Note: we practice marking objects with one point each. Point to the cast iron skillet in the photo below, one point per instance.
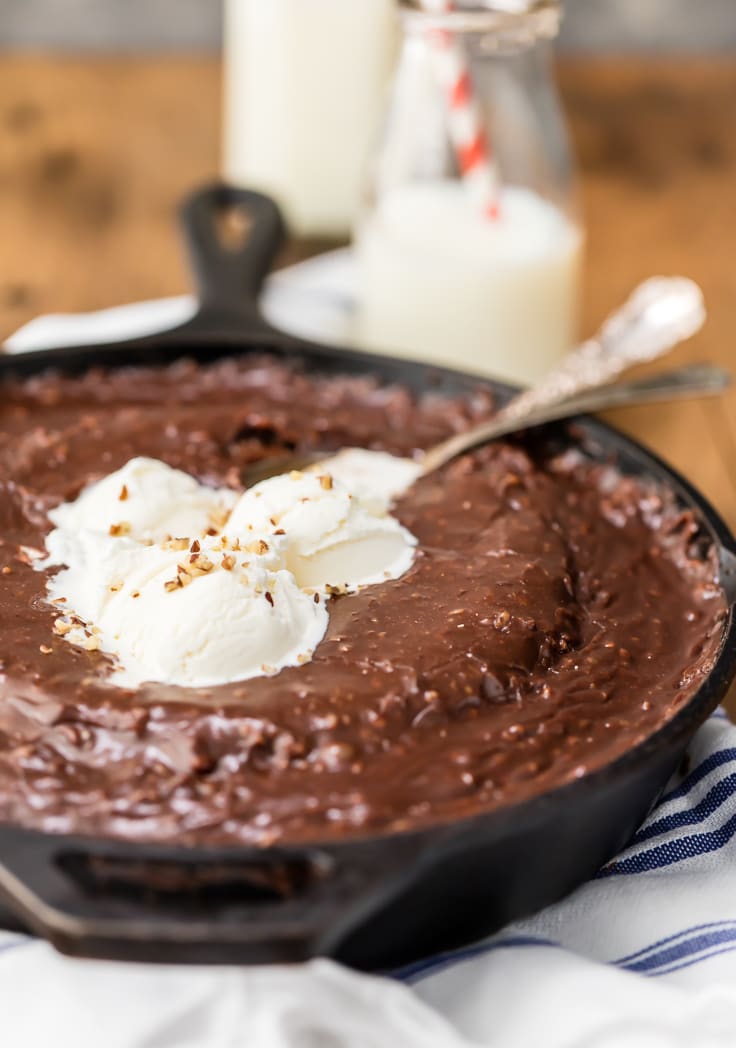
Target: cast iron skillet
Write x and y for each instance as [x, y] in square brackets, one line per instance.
[372, 902]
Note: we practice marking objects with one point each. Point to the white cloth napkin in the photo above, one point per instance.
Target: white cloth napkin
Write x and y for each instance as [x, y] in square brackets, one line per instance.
[643, 956]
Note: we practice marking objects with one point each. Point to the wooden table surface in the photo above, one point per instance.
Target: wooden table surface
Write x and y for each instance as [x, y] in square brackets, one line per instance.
[95, 153]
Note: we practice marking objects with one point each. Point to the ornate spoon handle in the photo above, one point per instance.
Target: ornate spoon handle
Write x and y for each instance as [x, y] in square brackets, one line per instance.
[660, 313]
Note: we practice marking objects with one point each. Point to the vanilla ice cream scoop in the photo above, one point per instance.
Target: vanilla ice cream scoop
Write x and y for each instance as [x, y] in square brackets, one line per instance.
[187, 616]
[145, 500]
[143, 578]
[333, 538]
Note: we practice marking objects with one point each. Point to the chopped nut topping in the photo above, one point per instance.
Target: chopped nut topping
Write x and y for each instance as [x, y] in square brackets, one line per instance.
[301, 659]
[269, 598]
[45, 649]
[228, 562]
[176, 544]
[93, 643]
[211, 531]
[316, 598]
[325, 481]
[115, 587]
[123, 493]
[123, 528]
[268, 669]
[198, 565]
[172, 584]
[296, 474]
[195, 547]
[184, 577]
[7, 570]
[279, 531]
[135, 593]
[61, 626]
[259, 546]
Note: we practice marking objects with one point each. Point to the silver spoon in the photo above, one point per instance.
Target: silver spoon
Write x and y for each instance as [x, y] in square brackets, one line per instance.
[660, 313]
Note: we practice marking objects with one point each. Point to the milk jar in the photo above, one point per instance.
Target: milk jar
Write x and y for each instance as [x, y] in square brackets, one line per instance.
[305, 85]
[469, 246]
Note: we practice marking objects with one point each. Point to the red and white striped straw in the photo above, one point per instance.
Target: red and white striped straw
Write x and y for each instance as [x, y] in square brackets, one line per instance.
[473, 151]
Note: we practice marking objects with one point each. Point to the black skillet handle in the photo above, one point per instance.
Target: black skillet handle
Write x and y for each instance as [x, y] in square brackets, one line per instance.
[233, 236]
[104, 899]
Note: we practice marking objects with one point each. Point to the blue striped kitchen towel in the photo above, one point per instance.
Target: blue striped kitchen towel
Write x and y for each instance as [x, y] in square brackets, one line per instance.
[643, 956]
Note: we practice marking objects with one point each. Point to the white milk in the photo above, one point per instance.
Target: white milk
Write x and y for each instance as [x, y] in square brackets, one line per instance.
[439, 283]
[305, 84]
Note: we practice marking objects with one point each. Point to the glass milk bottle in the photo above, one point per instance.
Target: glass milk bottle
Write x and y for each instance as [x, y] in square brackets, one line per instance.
[304, 90]
[469, 247]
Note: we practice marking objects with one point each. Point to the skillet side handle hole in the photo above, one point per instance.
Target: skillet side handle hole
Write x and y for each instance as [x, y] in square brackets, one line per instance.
[271, 879]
